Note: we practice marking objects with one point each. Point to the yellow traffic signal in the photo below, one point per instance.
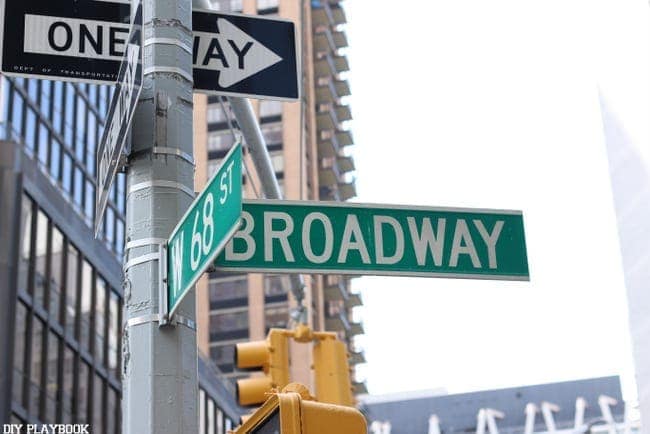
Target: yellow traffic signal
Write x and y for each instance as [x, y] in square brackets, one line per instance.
[270, 355]
[294, 412]
[331, 371]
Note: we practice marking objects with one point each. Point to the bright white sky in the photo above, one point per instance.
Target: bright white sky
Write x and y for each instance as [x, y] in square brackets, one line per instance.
[494, 104]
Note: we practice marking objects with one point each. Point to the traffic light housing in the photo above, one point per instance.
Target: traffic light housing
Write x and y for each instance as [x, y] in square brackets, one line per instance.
[330, 357]
[270, 355]
[332, 371]
[293, 411]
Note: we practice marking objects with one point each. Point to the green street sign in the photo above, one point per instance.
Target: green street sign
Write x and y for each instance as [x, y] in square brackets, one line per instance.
[204, 230]
[347, 238]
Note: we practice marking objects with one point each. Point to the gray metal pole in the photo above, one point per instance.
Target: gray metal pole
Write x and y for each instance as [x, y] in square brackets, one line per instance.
[247, 120]
[160, 388]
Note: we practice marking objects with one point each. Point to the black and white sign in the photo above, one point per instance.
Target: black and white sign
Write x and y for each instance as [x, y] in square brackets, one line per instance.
[241, 55]
[78, 40]
[118, 121]
[84, 40]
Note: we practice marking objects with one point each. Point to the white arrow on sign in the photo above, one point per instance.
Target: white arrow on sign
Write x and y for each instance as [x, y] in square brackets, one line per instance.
[232, 52]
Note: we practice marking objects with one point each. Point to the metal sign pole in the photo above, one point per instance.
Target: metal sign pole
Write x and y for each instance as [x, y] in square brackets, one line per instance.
[159, 363]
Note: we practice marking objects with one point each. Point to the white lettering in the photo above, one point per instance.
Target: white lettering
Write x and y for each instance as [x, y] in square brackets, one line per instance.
[352, 229]
[242, 234]
[281, 235]
[328, 237]
[490, 239]
[427, 239]
[462, 236]
[379, 222]
[226, 187]
[177, 261]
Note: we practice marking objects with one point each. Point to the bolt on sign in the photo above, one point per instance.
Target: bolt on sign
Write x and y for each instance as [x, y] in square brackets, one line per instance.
[320, 237]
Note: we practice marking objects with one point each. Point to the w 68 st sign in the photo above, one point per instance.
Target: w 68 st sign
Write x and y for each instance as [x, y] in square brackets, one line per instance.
[204, 230]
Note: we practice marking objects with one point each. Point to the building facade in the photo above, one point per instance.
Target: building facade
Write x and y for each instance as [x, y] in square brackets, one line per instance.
[461, 413]
[60, 290]
[310, 149]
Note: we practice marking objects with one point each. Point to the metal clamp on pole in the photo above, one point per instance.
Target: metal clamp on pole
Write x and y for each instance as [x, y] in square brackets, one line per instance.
[162, 286]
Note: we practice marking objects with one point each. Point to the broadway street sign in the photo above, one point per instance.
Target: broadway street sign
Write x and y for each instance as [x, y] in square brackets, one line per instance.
[118, 121]
[78, 40]
[206, 227]
[244, 56]
[346, 238]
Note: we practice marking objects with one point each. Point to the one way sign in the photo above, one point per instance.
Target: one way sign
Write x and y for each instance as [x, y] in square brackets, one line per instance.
[84, 40]
[244, 56]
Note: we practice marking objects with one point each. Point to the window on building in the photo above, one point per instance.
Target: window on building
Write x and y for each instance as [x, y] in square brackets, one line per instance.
[40, 257]
[55, 159]
[43, 143]
[276, 317]
[103, 98]
[267, 7]
[229, 321]
[277, 160]
[86, 305]
[36, 366]
[57, 112]
[67, 394]
[119, 237]
[210, 412]
[91, 143]
[80, 126]
[216, 114]
[32, 89]
[78, 187]
[220, 422]
[224, 292]
[89, 200]
[109, 221]
[270, 108]
[71, 289]
[82, 393]
[52, 386]
[223, 355]
[24, 258]
[275, 288]
[56, 273]
[98, 405]
[69, 114]
[20, 338]
[100, 315]
[30, 129]
[272, 133]
[113, 334]
[201, 411]
[220, 140]
[16, 118]
[111, 409]
[45, 97]
[66, 173]
[121, 190]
